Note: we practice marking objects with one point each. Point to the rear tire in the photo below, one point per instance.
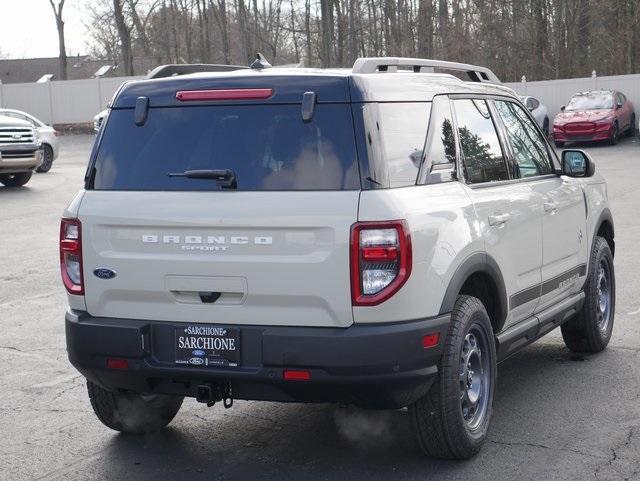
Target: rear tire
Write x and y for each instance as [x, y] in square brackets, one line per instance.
[133, 413]
[48, 160]
[15, 180]
[615, 134]
[451, 421]
[590, 329]
[632, 126]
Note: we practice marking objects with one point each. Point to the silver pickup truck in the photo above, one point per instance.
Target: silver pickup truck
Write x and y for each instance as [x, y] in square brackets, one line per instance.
[20, 151]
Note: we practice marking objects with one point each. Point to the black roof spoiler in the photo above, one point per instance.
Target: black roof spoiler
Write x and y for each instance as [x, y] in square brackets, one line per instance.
[172, 70]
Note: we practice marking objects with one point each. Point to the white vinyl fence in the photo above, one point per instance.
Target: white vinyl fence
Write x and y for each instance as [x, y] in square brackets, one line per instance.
[64, 101]
[77, 101]
[556, 93]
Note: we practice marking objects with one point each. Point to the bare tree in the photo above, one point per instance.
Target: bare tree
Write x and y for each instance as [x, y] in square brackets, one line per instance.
[57, 11]
[536, 38]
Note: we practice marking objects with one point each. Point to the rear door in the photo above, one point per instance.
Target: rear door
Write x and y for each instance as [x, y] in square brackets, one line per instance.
[273, 251]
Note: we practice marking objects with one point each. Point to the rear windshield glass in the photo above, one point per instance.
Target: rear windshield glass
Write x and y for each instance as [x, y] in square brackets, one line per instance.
[268, 147]
[591, 101]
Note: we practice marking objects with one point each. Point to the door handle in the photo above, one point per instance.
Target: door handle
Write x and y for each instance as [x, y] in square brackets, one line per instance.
[550, 207]
[498, 219]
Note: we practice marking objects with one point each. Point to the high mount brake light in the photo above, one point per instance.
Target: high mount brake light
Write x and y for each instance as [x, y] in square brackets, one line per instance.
[380, 260]
[71, 255]
[224, 94]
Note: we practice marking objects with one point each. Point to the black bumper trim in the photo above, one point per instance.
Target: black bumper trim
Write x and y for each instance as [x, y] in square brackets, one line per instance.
[367, 365]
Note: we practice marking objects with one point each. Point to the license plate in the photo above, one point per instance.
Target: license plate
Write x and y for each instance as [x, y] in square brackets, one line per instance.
[208, 346]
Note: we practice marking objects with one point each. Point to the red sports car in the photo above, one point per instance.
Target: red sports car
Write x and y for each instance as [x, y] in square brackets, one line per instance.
[595, 115]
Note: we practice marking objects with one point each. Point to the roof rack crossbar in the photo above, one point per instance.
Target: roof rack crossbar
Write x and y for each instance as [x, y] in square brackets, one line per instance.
[391, 64]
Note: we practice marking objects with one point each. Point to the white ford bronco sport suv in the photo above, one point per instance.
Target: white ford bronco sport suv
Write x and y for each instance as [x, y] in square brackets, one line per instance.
[380, 236]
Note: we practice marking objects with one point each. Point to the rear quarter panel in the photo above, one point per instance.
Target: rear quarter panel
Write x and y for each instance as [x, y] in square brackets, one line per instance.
[444, 230]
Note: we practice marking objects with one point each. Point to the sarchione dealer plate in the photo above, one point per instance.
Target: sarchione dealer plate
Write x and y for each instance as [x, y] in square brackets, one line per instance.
[198, 345]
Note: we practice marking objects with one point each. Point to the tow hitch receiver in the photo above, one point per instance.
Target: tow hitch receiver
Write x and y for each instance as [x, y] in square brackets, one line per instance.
[209, 394]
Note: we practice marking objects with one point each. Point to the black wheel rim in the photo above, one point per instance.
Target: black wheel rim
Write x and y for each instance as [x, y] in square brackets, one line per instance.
[474, 377]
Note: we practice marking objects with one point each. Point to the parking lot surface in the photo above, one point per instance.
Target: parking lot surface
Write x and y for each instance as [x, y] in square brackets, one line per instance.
[556, 415]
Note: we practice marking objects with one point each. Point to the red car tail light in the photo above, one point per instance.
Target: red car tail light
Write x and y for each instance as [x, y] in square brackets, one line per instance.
[224, 94]
[71, 255]
[380, 261]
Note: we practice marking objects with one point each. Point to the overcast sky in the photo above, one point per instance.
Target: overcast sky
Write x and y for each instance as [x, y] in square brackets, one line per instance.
[28, 28]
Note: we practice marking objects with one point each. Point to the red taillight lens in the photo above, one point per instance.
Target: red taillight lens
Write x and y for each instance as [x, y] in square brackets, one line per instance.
[296, 375]
[224, 94]
[380, 260]
[71, 255]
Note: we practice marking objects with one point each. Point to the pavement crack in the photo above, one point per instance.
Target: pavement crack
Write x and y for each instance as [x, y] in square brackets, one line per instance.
[544, 446]
[615, 453]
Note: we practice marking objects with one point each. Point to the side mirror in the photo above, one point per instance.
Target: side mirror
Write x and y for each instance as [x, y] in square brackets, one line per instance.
[562, 108]
[577, 163]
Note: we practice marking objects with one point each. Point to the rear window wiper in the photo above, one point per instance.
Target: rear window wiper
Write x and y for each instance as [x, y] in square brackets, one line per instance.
[226, 178]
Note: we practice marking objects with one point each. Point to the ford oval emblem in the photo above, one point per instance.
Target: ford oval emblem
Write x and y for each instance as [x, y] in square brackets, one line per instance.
[198, 352]
[104, 273]
[196, 361]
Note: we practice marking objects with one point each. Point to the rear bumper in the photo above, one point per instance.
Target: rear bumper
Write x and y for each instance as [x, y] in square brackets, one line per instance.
[383, 366]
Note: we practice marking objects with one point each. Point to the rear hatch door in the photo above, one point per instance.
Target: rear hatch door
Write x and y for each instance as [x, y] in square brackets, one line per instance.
[274, 250]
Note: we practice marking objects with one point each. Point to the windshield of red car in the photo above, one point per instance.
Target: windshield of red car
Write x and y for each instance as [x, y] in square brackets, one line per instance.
[591, 101]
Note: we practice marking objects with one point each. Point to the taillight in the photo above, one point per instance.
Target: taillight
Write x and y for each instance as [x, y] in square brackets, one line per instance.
[71, 255]
[380, 260]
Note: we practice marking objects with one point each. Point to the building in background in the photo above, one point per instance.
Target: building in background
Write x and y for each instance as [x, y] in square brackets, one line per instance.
[26, 70]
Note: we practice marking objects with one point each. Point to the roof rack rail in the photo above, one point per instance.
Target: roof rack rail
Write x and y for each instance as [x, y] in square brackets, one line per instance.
[391, 64]
[186, 68]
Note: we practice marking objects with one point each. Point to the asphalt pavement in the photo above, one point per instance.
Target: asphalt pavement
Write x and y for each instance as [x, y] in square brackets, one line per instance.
[557, 416]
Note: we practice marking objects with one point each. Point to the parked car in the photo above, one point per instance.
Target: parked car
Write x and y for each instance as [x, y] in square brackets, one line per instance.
[538, 111]
[98, 119]
[594, 115]
[347, 236]
[20, 151]
[48, 136]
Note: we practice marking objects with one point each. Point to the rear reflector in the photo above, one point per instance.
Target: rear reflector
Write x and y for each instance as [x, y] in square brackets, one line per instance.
[293, 375]
[430, 340]
[119, 364]
[224, 94]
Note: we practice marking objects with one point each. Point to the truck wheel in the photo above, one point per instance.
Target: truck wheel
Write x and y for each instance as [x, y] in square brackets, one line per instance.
[131, 412]
[590, 329]
[48, 160]
[451, 421]
[15, 180]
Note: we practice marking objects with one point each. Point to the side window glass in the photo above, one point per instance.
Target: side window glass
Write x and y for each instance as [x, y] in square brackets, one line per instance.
[440, 146]
[529, 148]
[482, 156]
[395, 137]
